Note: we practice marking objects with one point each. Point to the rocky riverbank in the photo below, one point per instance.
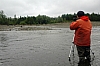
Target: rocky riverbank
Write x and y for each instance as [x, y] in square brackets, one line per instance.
[38, 27]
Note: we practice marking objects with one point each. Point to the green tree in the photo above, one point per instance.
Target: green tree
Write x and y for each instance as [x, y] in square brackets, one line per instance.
[30, 20]
[22, 23]
[42, 19]
[3, 19]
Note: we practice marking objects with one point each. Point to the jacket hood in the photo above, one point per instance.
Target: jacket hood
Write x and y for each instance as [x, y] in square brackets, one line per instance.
[85, 18]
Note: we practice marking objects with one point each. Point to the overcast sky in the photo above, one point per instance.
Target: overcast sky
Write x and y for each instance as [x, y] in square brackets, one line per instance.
[52, 8]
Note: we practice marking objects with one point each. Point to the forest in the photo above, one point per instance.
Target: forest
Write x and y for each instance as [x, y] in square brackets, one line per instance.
[41, 19]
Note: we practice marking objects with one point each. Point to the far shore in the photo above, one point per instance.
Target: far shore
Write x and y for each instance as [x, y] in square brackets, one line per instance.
[39, 27]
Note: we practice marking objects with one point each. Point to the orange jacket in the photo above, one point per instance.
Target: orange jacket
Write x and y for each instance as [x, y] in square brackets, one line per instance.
[82, 29]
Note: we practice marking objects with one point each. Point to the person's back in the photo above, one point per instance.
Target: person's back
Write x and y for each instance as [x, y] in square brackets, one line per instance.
[82, 40]
[82, 28]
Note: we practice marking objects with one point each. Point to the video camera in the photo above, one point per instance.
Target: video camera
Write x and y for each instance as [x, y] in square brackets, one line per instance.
[75, 18]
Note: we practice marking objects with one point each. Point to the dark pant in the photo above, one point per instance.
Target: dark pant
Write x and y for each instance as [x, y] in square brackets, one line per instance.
[83, 51]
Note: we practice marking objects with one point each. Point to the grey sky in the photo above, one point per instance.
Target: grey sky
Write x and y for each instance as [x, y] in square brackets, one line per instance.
[52, 8]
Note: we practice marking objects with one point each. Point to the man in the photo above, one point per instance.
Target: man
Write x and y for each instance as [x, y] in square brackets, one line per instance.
[82, 40]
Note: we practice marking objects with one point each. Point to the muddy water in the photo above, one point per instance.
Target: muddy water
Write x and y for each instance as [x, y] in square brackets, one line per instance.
[41, 47]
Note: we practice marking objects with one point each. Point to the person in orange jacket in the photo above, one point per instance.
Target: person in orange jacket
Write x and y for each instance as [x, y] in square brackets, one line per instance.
[82, 38]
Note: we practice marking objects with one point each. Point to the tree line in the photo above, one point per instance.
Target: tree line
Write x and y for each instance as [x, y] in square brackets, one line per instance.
[41, 19]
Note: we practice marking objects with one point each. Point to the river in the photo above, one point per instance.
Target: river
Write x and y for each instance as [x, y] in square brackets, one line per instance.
[41, 47]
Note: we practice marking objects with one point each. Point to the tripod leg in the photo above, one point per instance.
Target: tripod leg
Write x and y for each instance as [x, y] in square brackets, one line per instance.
[71, 51]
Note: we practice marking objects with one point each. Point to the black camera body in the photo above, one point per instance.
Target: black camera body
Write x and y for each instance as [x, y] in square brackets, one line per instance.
[75, 18]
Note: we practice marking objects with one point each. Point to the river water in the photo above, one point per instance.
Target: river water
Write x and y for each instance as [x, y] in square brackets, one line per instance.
[41, 47]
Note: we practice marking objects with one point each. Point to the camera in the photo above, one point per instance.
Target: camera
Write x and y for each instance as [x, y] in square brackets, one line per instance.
[75, 18]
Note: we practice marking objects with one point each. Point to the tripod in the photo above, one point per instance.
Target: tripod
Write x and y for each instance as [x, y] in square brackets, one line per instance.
[72, 55]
